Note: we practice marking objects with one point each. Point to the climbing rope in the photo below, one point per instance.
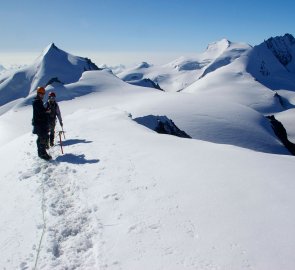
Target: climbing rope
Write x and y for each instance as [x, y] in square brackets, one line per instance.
[44, 225]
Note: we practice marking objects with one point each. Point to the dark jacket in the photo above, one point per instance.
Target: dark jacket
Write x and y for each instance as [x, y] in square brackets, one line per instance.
[54, 111]
[40, 117]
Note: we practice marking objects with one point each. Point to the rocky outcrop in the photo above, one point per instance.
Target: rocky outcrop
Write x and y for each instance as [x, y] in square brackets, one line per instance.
[91, 65]
[162, 125]
[146, 83]
[281, 133]
[53, 80]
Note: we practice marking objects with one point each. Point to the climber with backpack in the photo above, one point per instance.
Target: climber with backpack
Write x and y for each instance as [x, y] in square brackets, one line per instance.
[40, 123]
[52, 106]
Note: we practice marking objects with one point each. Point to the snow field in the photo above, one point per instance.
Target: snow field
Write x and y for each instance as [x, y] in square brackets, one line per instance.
[167, 208]
[125, 197]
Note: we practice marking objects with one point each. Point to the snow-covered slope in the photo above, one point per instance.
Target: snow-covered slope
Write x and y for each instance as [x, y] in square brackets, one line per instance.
[184, 71]
[53, 65]
[251, 79]
[125, 197]
[271, 63]
[234, 83]
[202, 116]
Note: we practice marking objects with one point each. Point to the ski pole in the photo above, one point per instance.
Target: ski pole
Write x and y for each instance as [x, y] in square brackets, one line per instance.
[60, 141]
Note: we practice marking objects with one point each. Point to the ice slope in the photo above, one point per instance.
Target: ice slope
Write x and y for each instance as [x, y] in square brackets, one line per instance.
[53, 65]
[124, 197]
[184, 71]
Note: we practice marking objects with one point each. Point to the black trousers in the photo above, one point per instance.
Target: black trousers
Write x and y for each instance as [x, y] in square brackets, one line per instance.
[51, 132]
[42, 133]
[41, 145]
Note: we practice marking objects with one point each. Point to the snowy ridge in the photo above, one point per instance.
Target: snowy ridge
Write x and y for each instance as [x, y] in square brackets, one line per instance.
[211, 119]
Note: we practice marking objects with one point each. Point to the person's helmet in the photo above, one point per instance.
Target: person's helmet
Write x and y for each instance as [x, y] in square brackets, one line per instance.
[51, 94]
[41, 90]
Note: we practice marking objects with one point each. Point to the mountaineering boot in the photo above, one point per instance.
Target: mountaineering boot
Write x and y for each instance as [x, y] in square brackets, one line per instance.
[42, 143]
[45, 156]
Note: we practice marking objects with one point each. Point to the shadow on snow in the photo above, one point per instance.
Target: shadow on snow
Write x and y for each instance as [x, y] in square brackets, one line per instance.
[74, 141]
[76, 159]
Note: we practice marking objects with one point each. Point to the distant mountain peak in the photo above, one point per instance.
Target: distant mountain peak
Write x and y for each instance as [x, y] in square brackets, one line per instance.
[52, 53]
[51, 47]
[2, 68]
[223, 43]
[53, 66]
[218, 47]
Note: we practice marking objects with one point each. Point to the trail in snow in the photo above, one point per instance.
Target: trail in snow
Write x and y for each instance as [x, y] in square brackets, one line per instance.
[69, 230]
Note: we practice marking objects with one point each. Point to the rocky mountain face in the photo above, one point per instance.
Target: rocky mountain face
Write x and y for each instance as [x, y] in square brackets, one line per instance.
[272, 62]
[282, 48]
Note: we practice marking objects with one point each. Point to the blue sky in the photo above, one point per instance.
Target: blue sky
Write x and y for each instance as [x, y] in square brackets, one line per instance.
[134, 27]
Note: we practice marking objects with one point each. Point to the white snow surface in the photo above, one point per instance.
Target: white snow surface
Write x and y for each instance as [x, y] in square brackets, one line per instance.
[125, 197]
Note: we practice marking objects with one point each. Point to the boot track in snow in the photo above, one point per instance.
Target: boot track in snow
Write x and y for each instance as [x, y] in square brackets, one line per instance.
[68, 233]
